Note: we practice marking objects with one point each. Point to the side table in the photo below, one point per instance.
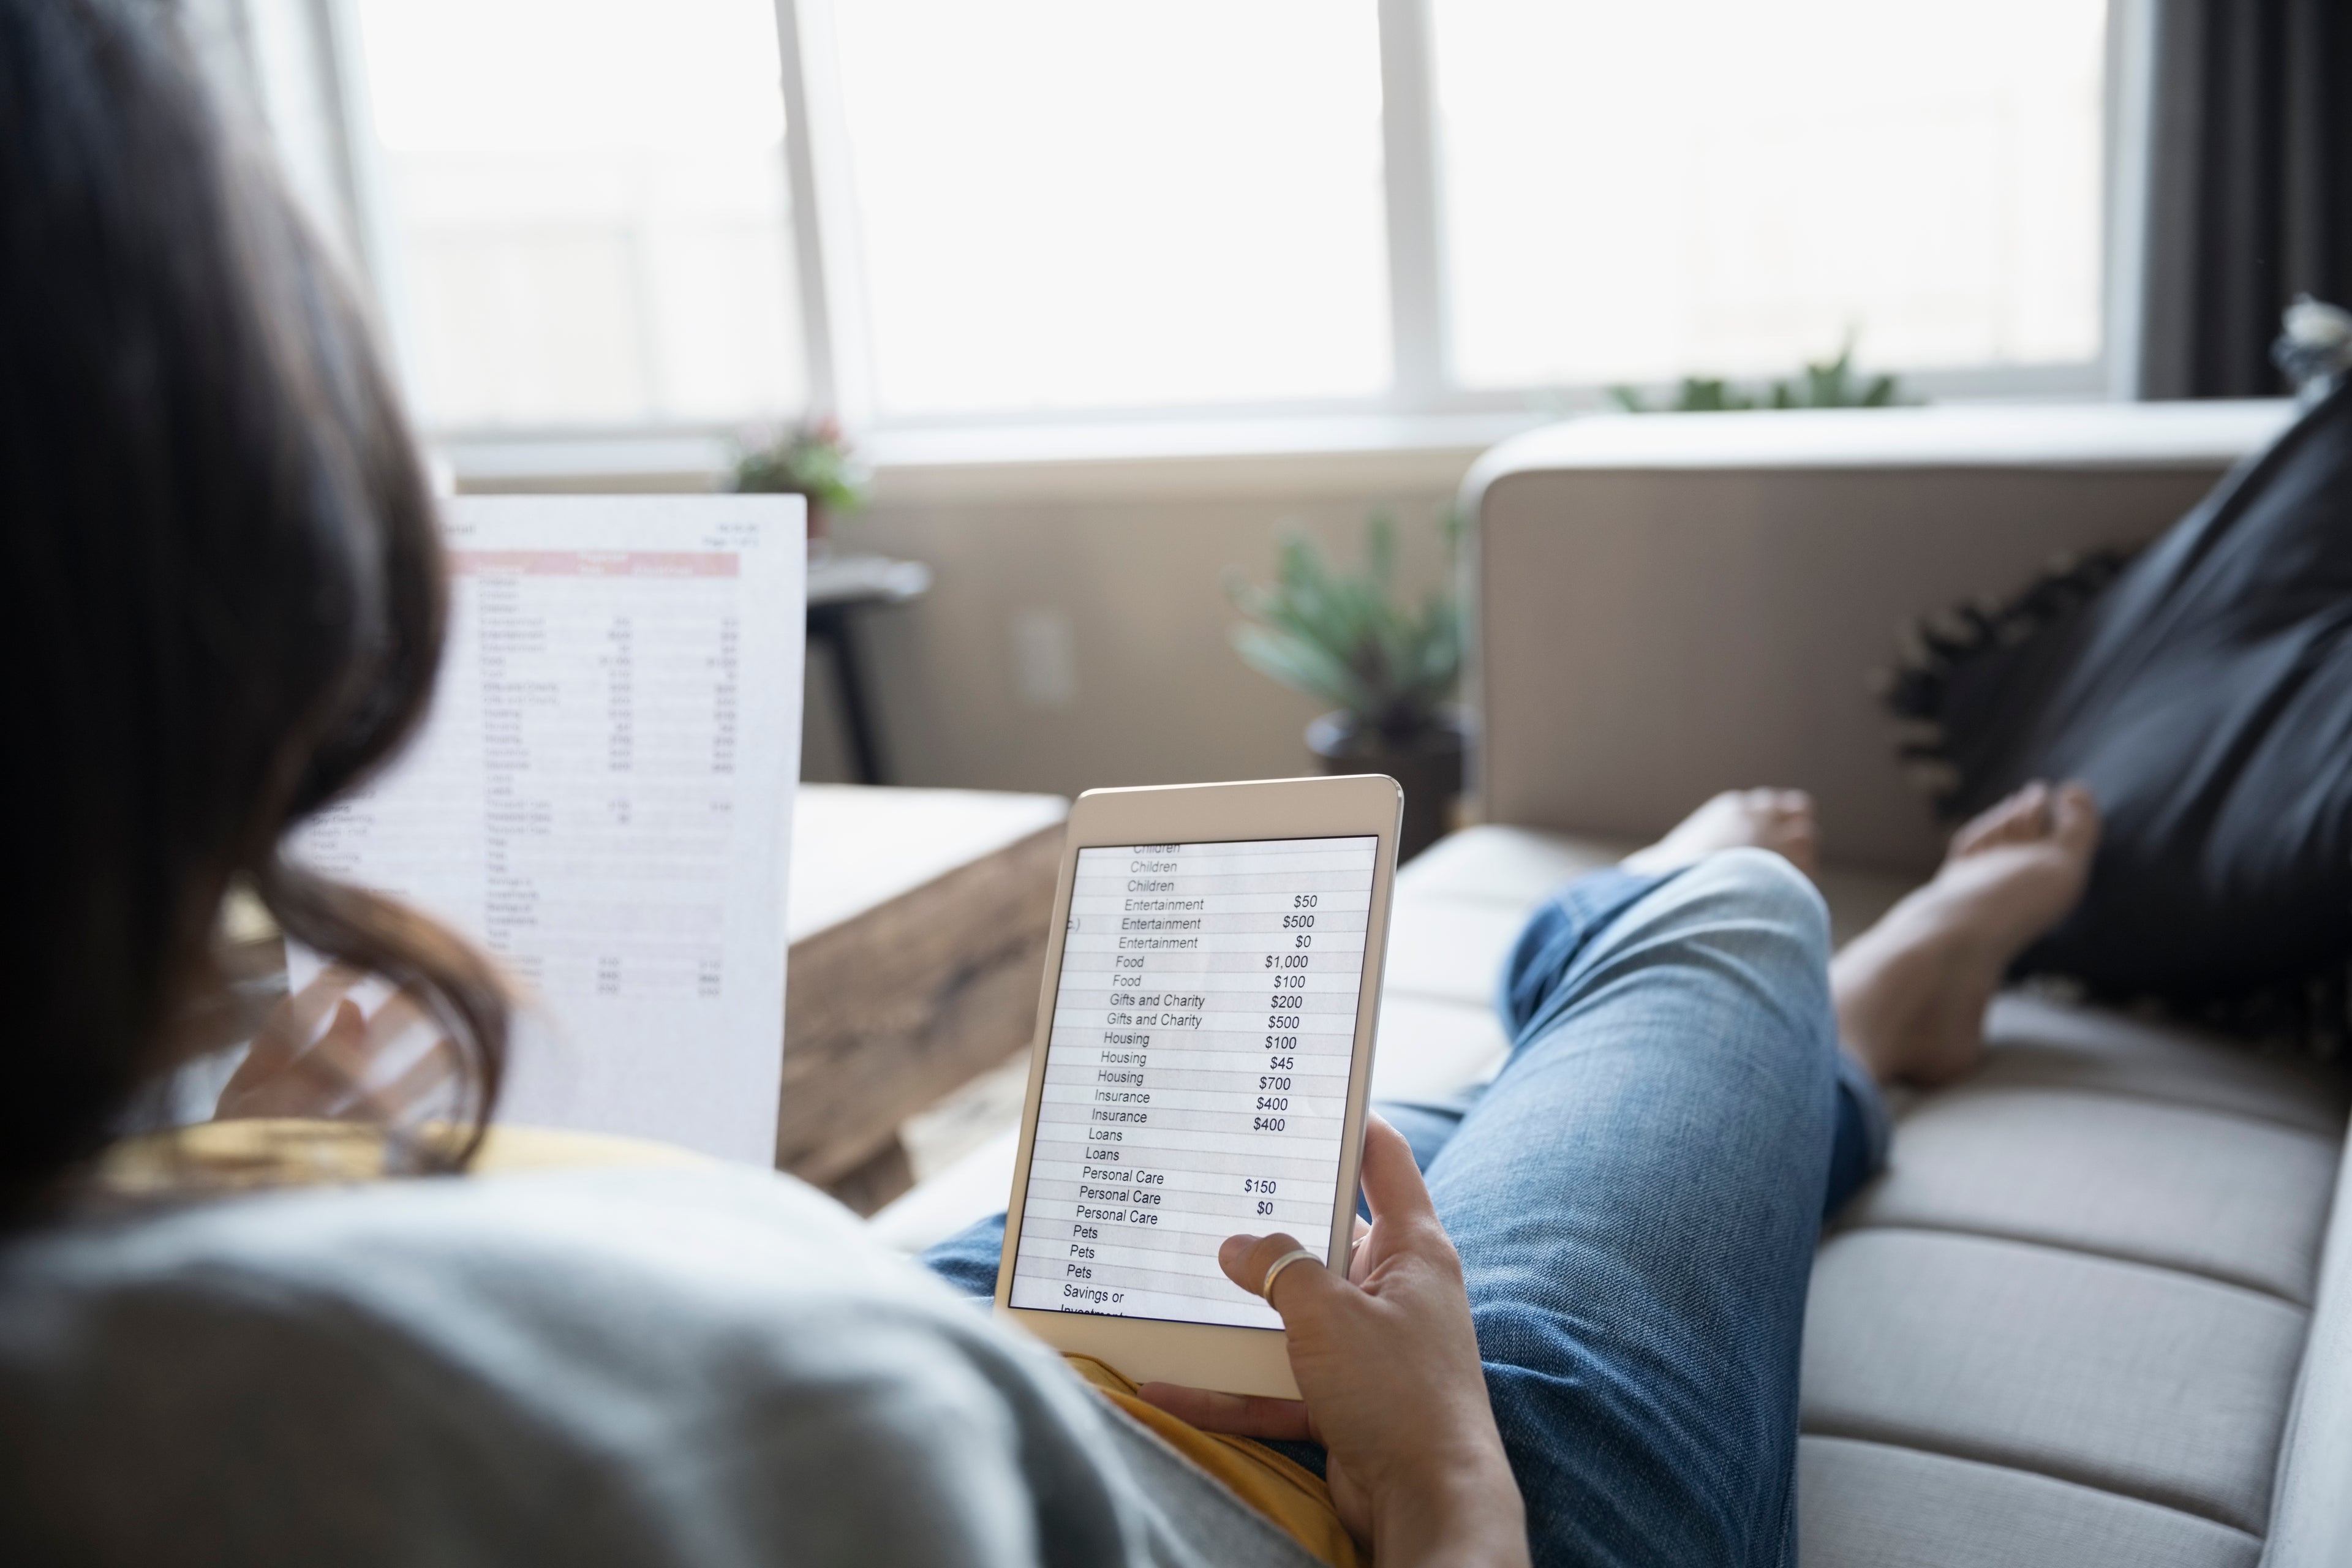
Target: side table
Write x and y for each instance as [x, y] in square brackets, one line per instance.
[839, 587]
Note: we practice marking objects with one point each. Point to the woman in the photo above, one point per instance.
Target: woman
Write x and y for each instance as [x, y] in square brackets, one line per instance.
[221, 599]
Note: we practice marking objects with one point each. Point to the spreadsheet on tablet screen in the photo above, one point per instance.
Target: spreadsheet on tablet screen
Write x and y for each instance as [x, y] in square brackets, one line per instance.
[1196, 1072]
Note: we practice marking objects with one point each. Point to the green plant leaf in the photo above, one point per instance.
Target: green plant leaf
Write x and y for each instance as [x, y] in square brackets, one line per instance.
[1830, 383]
[1343, 638]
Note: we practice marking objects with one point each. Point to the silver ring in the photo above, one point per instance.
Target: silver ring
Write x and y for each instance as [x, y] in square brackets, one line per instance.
[1281, 1263]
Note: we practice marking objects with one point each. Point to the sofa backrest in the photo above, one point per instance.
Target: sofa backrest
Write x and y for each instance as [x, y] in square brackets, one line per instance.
[1670, 605]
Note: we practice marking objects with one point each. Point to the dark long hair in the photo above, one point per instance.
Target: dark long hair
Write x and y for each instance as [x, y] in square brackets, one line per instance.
[222, 590]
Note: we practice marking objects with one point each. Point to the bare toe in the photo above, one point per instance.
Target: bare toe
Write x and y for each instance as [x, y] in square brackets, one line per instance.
[2019, 817]
[1911, 991]
[1792, 830]
[2075, 821]
[1780, 820]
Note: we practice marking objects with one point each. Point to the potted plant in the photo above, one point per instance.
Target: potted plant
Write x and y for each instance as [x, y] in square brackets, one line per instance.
[814, 459]
[1832, 383]
[1389, 670]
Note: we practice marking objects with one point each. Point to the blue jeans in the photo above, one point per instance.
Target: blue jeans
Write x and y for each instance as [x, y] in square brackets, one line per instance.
[1636, 1198]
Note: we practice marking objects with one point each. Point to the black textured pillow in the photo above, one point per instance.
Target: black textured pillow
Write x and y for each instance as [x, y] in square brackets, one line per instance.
[2203, 689]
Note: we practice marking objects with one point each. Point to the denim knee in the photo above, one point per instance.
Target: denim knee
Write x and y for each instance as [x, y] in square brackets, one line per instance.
[1771, 915]
[1768, 887]
[1594, 923]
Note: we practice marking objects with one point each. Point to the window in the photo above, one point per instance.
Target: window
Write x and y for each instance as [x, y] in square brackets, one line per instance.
[1070, 205]
[585, 204]
[1634, 193]
[584, 215]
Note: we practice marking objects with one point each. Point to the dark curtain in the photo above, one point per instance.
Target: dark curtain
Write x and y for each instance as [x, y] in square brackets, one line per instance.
[2250, 199]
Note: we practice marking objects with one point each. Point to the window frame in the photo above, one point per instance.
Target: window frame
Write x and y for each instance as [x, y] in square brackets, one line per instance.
[1423, 408]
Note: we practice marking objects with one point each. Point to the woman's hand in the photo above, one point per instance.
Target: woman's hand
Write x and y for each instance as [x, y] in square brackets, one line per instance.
[1388, 1362]
[358, 1068]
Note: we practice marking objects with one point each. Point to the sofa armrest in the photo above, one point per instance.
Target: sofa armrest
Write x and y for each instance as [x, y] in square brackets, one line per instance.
[2311, 1509]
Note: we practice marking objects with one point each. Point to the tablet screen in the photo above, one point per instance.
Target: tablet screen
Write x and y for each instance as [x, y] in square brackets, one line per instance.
[1196, 1076]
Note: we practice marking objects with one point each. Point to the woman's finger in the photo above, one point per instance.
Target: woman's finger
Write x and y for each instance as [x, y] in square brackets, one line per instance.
[343, 1049]
[425, 1077]
[1392, 1184]
[300, 1014]
[315, 1087]
[305, 1086]
[325, 986]
[399, 1013]
[1230, 1253]
[283, 1045]
[1236, 1415]
[321, 1081]
[291, 1025]
[1246, 1258]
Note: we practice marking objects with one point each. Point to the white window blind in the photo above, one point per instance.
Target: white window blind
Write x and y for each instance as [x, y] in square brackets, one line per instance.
[585, 206]
[1073, 205]
[1634, 193]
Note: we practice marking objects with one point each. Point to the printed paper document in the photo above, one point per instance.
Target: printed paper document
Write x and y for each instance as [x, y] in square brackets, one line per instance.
[601, 797]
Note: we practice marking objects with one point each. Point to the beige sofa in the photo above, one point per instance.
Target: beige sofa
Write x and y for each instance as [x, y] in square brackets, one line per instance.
[2099, 1309]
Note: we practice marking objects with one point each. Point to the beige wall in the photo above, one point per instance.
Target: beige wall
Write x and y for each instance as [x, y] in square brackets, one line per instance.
[1134, 565]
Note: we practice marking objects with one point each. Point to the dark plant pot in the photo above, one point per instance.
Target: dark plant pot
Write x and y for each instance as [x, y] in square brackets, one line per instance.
[1429, 768]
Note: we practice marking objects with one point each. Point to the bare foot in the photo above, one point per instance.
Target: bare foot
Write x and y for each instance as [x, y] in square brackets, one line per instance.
[1911, 991]
[1780, 820]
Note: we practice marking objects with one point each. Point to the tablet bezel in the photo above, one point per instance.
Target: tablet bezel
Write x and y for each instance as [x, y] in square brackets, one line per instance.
[1148, 1350]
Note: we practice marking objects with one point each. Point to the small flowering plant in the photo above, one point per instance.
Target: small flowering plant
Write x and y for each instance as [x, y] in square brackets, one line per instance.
[811, 458]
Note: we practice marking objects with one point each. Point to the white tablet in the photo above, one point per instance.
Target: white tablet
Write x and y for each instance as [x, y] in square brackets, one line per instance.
[1202, 1057]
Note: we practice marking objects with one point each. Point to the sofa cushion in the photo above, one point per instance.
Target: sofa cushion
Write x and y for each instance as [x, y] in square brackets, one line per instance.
[1459, 905]
[2144, 1381]
[2038, 1042]
[1514, 866]
[2089, 1263]
[2234, 1198]
[1432, 1046]
[1450, 948]
[1870, 1505]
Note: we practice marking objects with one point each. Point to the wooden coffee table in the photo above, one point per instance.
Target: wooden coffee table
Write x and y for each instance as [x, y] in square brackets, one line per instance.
[918, 927]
